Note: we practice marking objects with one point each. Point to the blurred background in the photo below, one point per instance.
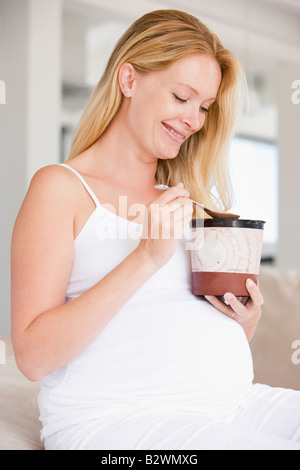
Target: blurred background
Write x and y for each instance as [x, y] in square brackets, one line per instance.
[52, 54]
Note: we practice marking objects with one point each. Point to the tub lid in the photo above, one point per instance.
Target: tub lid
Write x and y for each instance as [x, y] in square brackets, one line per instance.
[236, 223]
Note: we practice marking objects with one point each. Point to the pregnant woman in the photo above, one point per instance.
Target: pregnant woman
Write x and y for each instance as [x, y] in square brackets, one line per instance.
[102, 308]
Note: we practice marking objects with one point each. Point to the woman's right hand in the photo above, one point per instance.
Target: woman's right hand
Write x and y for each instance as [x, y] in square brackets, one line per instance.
[164, 221]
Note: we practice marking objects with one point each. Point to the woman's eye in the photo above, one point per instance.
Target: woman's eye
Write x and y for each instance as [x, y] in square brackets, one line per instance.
[179, 99]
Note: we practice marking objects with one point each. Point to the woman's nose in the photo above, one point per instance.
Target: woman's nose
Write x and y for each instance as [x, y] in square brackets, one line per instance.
[194, 119]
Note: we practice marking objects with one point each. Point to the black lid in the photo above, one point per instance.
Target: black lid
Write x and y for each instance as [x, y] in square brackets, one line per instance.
[238, 223]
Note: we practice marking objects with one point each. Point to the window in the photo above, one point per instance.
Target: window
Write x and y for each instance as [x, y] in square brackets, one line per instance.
[254, 173]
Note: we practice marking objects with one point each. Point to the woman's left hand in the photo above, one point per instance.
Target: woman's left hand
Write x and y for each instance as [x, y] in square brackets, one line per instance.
[247, 315]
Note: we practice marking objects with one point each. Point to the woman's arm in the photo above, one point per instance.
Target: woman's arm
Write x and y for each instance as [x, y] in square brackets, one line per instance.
[46, 332]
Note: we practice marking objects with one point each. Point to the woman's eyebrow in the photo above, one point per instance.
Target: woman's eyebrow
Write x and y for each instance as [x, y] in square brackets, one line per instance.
[188, 86]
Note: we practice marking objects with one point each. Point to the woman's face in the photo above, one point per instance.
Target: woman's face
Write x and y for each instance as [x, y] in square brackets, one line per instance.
[166, 107]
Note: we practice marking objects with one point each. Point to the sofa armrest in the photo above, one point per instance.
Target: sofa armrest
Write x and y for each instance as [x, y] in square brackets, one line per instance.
[272, 344]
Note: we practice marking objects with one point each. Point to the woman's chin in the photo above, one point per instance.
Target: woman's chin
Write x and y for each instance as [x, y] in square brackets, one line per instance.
[169, 154]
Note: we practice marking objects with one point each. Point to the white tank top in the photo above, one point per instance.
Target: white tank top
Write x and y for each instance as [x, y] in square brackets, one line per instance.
[166, 349]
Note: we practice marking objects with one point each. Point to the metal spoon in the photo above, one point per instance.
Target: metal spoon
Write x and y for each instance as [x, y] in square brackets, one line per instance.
[213, 214]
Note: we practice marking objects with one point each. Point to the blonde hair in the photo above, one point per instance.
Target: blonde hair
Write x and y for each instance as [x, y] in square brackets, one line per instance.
[152, 43]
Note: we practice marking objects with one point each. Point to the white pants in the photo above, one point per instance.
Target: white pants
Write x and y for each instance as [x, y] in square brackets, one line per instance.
[269, 420]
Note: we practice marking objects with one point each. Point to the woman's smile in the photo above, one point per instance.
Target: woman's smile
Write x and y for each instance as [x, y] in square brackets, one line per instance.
[174, 134]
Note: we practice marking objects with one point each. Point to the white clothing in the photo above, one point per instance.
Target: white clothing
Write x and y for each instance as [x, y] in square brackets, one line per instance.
[167, 366]
[268, 420]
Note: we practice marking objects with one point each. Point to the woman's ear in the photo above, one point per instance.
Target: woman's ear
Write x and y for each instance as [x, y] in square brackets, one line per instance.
[127, 77]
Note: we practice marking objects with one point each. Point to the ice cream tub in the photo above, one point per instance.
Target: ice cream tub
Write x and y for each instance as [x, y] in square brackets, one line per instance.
[225, 253]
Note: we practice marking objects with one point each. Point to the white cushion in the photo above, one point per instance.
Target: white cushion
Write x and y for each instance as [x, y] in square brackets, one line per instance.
[19, 414]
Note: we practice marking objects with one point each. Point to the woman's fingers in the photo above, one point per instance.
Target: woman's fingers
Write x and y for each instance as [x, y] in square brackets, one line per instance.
[171, 194]
[255, 294]
[171, 211]
[232, 309]
[218, 304]
[232, 303]
[165, 219]
[238, 308]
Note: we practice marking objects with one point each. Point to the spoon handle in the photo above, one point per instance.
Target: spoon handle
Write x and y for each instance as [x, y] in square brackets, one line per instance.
[215, 215]
[164, 187]
[198, 204]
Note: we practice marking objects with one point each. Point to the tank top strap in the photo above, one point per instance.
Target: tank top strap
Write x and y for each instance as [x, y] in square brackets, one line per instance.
[91, 193]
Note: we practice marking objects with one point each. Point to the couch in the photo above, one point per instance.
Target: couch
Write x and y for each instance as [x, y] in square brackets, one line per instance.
[19, 423]
[275, 361]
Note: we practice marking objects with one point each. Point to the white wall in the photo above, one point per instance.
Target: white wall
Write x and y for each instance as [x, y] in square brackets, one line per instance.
[30, 44]
[12, 137]
[256, 28]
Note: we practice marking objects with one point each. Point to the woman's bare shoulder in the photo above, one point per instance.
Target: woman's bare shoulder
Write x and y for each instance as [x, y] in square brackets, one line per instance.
[52, 194]
[56, 176]
[54, 183]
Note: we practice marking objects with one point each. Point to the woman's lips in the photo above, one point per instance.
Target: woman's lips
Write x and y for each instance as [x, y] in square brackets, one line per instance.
[175, 135]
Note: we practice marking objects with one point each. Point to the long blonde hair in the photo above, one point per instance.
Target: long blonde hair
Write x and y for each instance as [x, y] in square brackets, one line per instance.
[152, 43]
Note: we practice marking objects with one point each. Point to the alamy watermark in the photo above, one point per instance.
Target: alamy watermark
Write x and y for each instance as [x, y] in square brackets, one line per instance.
[2, 92]
[2, 352]
[157, 221]
[296, 353]
[296, 94]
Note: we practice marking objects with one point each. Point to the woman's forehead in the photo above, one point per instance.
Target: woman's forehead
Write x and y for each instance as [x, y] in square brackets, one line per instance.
[193, 73]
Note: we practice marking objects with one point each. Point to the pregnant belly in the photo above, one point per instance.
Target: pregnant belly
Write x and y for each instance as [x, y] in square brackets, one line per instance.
[183, 356]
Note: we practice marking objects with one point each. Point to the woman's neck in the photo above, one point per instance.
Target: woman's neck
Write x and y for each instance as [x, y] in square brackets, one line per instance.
[117, 155]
